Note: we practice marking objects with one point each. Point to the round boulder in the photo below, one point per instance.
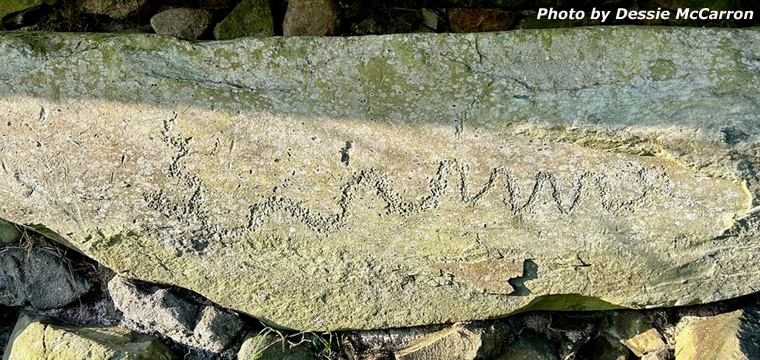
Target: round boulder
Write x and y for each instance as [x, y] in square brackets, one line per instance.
[310, 18]
[188, 24]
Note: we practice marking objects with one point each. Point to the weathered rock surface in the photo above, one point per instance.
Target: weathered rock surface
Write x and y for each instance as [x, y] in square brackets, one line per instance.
[163, 312]
[734, 335]
[458, 342]
[453, 341]
[36, 339]
[333, 183]
[646, 343]
[117, 9]
[183, 23]
[250, 18]
[430, 19]
[40, 278]
[271, 347]
[9, 234]
[310, 18]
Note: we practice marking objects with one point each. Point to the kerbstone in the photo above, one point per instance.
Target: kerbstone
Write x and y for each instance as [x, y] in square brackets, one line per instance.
[373, 182]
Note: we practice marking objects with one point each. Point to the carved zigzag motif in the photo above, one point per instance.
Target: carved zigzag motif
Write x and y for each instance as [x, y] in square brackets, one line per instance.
[545, 188]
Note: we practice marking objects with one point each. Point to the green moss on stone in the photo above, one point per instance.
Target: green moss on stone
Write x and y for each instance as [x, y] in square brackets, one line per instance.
[251, 18]
[662, 70]
[9, 234]
[12, 6]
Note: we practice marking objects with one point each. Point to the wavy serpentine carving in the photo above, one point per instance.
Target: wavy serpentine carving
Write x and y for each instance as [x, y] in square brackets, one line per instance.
[500, 180]
[620, 191]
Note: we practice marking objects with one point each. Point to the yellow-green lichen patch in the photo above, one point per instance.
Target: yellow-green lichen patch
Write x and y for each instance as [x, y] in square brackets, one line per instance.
[36, 339]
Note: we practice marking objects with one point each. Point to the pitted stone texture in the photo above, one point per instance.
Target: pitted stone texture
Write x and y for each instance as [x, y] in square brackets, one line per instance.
[40, 278]
[36, 339]
[160, 311]
[216, 329]
[372, 182]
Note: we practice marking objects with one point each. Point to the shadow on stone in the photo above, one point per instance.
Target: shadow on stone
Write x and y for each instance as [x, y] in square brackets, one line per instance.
[530, 272]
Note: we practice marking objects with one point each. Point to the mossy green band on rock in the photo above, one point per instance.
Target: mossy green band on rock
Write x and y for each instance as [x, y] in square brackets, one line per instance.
[250, 18]
[391, 181]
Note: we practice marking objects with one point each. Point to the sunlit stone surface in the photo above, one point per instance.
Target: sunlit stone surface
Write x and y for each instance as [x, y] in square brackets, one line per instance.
[390, 181]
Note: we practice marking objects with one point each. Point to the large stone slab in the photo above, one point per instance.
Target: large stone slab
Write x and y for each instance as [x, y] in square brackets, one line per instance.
[333, 183]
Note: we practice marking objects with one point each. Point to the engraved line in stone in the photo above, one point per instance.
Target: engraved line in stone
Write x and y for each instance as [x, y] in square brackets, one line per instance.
[396, 205]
